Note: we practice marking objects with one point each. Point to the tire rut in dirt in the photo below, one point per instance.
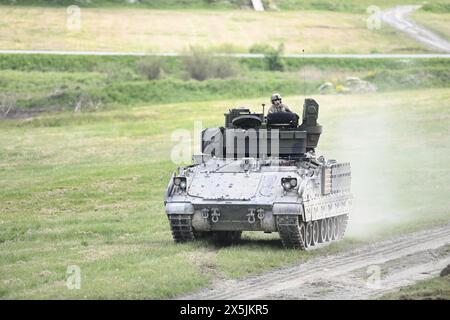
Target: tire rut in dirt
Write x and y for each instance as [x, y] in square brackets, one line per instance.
[386, 249]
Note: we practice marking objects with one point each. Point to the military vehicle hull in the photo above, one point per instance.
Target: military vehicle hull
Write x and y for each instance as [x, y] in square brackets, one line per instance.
[227, 190]
[226, 201]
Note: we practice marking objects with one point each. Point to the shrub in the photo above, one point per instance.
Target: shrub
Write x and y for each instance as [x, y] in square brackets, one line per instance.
[273, 59]
[225, 68]
[272, 56]
[151, 67]
[201, 65]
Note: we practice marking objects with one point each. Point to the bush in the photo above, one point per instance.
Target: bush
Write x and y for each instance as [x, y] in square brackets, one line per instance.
[272, 56]
[201, 65]
[151, 67]
[225, 68]
[273, 59]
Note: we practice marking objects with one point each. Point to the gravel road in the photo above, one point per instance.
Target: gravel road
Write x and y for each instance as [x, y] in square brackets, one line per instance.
[400, 19]
[347, 275]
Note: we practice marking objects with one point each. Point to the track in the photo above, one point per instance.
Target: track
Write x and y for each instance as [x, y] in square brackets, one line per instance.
[399, 18]
[401, 261]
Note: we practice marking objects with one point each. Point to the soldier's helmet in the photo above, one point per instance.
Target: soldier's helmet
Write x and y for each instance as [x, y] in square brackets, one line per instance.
[275, 97]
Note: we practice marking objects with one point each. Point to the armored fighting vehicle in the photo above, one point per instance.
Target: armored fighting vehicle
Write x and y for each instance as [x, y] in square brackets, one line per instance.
[261, 173]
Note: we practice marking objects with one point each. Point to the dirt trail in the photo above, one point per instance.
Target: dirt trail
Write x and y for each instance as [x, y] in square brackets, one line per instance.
[401, 261]
[399, 18]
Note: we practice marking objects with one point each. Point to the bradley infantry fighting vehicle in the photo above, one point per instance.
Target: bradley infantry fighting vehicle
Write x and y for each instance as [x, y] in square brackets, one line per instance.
[260, 173]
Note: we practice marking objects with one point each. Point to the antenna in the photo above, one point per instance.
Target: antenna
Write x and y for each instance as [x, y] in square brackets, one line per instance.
[304, 73]
[263, 105]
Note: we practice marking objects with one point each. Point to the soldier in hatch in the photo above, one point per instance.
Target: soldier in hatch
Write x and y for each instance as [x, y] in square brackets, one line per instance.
[277, 105]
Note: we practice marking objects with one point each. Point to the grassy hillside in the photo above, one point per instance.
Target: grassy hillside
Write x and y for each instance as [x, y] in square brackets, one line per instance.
[115, 29]
[87, 189]
[40, 82]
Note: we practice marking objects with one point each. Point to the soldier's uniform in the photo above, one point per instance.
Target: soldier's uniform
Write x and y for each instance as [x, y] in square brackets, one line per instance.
[277, 105]
[279, 108]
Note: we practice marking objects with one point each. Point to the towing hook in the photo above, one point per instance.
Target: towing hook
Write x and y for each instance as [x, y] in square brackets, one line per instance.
[260, 214]
[215, 215]
[205, 213]
[251, 216]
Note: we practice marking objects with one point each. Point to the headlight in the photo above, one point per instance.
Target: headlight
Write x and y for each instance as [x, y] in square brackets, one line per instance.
[180, 182]
[293, 182]
[288, 183]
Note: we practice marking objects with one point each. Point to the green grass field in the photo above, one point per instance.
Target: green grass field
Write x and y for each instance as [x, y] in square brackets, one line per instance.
[433, 289]
[87, 189]
[118, 29]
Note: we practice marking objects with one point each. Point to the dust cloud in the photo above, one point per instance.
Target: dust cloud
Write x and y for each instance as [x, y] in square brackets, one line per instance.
[365, 140]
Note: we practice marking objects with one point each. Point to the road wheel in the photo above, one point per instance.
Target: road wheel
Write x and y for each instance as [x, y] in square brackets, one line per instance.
[323, 234]
[302, 229]
[315, 232]
[330, 229]
[339, 226]
[343, 225]
[308, 234]
[334, 228]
